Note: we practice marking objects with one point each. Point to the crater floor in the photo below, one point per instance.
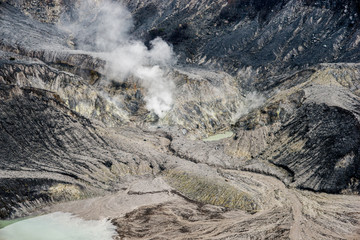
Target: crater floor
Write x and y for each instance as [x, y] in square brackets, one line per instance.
[261, 141]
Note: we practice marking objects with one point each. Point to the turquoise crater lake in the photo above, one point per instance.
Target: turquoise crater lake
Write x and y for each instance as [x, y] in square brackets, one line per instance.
[58, 226]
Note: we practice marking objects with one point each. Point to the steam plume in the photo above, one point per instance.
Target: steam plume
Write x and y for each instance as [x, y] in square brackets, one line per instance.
[104, 26]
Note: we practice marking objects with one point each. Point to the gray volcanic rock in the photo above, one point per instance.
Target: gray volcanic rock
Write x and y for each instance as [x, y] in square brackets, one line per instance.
[310, 129]
[329, 128]
[32, 138]
[73, 90]
[112, 101]
[44, 11]
[270, 36]
[281, 75]
[56, 154]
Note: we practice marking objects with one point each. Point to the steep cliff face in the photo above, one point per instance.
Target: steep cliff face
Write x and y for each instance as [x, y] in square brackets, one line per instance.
[269, 36]
[310, 129]
[54, 152]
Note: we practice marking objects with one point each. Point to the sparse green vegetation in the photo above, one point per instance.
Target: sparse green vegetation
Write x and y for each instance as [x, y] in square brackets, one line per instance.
[209, 191]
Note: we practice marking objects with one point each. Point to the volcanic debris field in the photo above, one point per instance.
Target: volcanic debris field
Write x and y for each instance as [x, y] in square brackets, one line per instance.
[198, 119]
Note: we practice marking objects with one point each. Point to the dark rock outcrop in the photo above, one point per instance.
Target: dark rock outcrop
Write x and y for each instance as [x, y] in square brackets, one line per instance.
[311, 130]
[273, 37]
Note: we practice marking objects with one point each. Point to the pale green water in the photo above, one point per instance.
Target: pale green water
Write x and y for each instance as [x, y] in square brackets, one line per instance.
[219, 136]
[58, 226]
[4, 223]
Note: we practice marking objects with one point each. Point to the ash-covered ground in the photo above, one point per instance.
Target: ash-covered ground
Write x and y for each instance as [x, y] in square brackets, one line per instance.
[105, 105]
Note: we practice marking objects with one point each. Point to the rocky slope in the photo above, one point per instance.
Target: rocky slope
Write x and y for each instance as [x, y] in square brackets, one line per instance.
[309, 129]
[282, 75]
[272, 37]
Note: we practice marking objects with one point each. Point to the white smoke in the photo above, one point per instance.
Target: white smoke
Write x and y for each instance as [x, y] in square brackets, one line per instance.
[104, 26]
[252, 100]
